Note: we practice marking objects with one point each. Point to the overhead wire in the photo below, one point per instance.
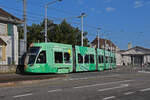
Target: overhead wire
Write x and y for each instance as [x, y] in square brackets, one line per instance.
[33, 17]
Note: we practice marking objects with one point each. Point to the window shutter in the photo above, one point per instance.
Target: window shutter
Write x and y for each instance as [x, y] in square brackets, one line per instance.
[10, 29]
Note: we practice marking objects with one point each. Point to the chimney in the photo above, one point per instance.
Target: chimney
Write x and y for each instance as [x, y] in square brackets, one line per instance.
[129, 45]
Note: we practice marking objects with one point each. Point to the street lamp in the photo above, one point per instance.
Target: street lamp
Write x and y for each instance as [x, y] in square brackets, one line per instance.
[46, 6]
[81, 16]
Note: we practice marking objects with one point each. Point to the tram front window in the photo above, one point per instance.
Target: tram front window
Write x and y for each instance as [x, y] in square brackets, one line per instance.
[31, 55]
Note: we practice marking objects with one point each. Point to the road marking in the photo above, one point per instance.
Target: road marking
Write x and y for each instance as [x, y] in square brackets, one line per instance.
[57, 90]
[84, 78]
[111, 97]
[23, 95]
[110, 76]
[128, 93]
[86, 86]
[147, 72]
[148, 89]
[121, 86]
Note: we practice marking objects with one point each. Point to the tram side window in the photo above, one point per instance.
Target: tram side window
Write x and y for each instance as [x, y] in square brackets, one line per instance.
[106, 59]
[91, 58]
[42, 57]
[80, 58]
[86, 59]
[112, 60]
[67, 57]
[58, 57]
[101, 59]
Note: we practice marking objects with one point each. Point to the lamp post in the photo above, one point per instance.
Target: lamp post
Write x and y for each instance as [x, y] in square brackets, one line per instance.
[46, 6]
[81, 16]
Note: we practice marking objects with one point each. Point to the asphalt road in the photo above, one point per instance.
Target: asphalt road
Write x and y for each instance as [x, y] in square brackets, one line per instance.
[108, 85]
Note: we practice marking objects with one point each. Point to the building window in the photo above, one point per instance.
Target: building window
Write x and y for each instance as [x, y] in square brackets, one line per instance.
[86, 59]
[91, 58]
[58, 57]
[41, 58]
[67, 57]
[80, 58]
[3, 28]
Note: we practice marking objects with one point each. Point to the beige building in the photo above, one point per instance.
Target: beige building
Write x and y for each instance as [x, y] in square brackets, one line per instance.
[136, 56]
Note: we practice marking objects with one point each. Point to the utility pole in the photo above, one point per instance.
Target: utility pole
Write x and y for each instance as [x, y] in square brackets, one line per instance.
[46, 6]
[46, 23]
[25, 25]
[82, 29]
[98, 31]
[81, 16]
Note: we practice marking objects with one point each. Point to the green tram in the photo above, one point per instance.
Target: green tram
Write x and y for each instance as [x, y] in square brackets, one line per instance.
[100, 59]
[63, 58]
[113, 60]
[85, 59]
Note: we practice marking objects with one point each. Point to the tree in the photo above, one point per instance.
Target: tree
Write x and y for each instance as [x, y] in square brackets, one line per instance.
[60, 33]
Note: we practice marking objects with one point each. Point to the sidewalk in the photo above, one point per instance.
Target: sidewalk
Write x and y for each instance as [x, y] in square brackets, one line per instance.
[16, 78]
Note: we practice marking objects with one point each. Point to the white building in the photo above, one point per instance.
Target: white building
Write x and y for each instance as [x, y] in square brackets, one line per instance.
[8, 38]
[136, 56]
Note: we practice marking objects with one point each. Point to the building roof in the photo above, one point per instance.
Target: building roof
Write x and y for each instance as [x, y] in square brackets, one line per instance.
[102, 42]
[5, 16]
[137, 50]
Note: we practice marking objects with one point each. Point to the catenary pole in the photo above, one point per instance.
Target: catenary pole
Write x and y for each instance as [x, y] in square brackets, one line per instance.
[25, 25]
[82, 31]
[98, 31]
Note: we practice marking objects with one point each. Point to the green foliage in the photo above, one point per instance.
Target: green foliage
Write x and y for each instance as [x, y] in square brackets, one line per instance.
[59, 33]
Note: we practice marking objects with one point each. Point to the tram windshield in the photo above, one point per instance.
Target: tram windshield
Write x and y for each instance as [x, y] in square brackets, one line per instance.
[31, 55]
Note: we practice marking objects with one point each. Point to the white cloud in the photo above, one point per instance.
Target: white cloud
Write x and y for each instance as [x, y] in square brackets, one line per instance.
[96, 11]
[99, 12]
[138, 4]
[107, 1]
[93, 9]
[110, 9]
[80, 2]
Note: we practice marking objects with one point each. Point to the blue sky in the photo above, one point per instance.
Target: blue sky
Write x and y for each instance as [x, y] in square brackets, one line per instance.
[122, 21]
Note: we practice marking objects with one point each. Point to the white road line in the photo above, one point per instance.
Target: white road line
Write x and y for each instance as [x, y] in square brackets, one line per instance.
[84, 78]
[121, 86]
[111, 97]
[128, 93]
[148, 89]
[86, 86]
[23, 95]
[57, 90]
[110, 76]
[144, 72]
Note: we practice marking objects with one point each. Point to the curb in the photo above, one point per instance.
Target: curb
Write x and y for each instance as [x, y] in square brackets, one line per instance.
[27, 82]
